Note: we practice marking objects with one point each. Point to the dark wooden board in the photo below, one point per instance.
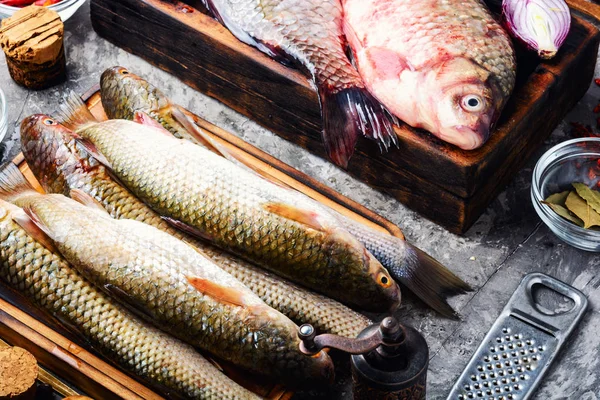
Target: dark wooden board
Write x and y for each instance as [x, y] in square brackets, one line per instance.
[450, 186]
[72, 358]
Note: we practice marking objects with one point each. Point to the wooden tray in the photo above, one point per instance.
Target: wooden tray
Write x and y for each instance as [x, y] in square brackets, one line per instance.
[68, 356]
[450, 186]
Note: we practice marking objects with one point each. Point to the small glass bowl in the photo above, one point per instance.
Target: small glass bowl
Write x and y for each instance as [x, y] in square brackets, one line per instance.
[65, 9]
[3, 116]
[576, 160]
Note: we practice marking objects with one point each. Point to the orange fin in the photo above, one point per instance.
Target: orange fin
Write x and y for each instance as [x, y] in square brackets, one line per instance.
[223, 294]
[306, 217]
[83, 198]
[74, 114]
[32, 228]
[144, 119]
[13, 183]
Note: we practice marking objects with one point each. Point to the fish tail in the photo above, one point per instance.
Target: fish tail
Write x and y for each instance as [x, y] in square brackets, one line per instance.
[429, 280]
[348, 113]
[13, 183]
[74, 114]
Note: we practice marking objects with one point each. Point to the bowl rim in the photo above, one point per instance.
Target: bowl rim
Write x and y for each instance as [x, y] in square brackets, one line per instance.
[542, 164]
[62, 3]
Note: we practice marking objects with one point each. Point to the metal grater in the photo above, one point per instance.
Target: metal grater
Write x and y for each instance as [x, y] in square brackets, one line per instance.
[520, 346]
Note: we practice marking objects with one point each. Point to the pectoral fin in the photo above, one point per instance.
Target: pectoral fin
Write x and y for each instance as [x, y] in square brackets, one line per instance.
[144, 119]
[128, 302]
[83, 198]
[306, 217]
[33, 229]
[92, 150]
[223, 294]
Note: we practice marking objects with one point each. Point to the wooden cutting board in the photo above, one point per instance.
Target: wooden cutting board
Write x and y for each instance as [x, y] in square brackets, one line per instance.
[450, 186]
[71, 358]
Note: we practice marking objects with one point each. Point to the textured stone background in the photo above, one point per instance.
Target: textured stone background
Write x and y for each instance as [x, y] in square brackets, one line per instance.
[507, 242]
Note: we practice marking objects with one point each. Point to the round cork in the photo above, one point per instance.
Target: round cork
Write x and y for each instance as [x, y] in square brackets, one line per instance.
[18, 372]
[32, 40]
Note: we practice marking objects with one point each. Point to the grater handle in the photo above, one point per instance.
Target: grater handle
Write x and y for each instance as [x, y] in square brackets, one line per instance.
[558, 325]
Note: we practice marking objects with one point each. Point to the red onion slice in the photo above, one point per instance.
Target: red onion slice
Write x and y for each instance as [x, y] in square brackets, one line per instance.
[542, 25]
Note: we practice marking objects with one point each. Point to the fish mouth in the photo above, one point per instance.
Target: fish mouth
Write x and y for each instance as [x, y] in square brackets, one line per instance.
[465, 137]
[30, 126]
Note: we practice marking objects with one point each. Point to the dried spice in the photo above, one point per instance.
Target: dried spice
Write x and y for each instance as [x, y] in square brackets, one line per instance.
[582, 209]
[580, 206]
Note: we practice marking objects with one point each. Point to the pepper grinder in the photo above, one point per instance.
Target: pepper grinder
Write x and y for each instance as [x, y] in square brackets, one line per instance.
[389, 360]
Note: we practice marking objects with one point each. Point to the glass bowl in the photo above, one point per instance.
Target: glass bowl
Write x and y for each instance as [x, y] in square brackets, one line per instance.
[576, 160]
[3, 116]
[65, 9]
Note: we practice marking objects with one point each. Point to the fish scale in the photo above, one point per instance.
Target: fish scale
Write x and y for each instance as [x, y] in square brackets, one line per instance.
[135, 345]
[130, 259]
[444, 66]
[196, 187]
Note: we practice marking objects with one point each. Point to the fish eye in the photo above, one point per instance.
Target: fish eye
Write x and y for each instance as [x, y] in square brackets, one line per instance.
[472, 103]
[124, 72]
[384, 280]
[49, 121]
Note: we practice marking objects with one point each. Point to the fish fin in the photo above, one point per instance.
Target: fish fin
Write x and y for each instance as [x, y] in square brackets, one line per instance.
[430, 280]
[190, 230]
[83, 198]
[206, 140]
[347, 113]
[13, 183]
[306, 217]
[92, 150]
[218, 292]
[273, 51]
[74, 114]
[23, 219]
[388, 62]
[127, 301]
[142, 118]
[203, 138]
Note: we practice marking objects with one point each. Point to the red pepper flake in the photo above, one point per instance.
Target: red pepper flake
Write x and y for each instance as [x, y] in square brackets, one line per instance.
[597, 81]
[597, 109]
[591, 174]
[582, 131]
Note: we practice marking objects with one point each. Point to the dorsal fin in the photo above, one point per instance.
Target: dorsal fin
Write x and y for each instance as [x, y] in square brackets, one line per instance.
[74, 114]
[13, 183]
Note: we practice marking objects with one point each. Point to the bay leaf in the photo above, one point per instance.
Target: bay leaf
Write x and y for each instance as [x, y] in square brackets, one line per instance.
[563, 212]
[558, 198]
[581, 208]
[591, 196]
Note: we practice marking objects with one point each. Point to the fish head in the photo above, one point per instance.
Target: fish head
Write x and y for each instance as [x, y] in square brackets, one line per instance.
[52, 152]
[365, 274]
[123, 93]
[463, 103]
[385, 284]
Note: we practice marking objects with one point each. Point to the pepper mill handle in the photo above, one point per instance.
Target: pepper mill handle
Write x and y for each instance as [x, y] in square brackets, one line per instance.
[390, 334]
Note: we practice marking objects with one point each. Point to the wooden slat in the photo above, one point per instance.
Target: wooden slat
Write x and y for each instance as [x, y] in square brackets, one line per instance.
[66, 358]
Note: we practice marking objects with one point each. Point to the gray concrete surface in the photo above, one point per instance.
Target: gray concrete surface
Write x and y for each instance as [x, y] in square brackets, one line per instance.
[507, 242]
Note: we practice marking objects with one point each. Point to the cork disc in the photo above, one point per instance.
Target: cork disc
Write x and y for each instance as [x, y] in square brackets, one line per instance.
[18, 372]
[33, 34]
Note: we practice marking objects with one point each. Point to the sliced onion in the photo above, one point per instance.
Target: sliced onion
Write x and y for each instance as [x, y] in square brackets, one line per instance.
[542, 25]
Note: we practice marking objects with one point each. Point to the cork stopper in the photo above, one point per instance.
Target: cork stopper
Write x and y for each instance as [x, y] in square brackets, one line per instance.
[32, 40]
[18, 373]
